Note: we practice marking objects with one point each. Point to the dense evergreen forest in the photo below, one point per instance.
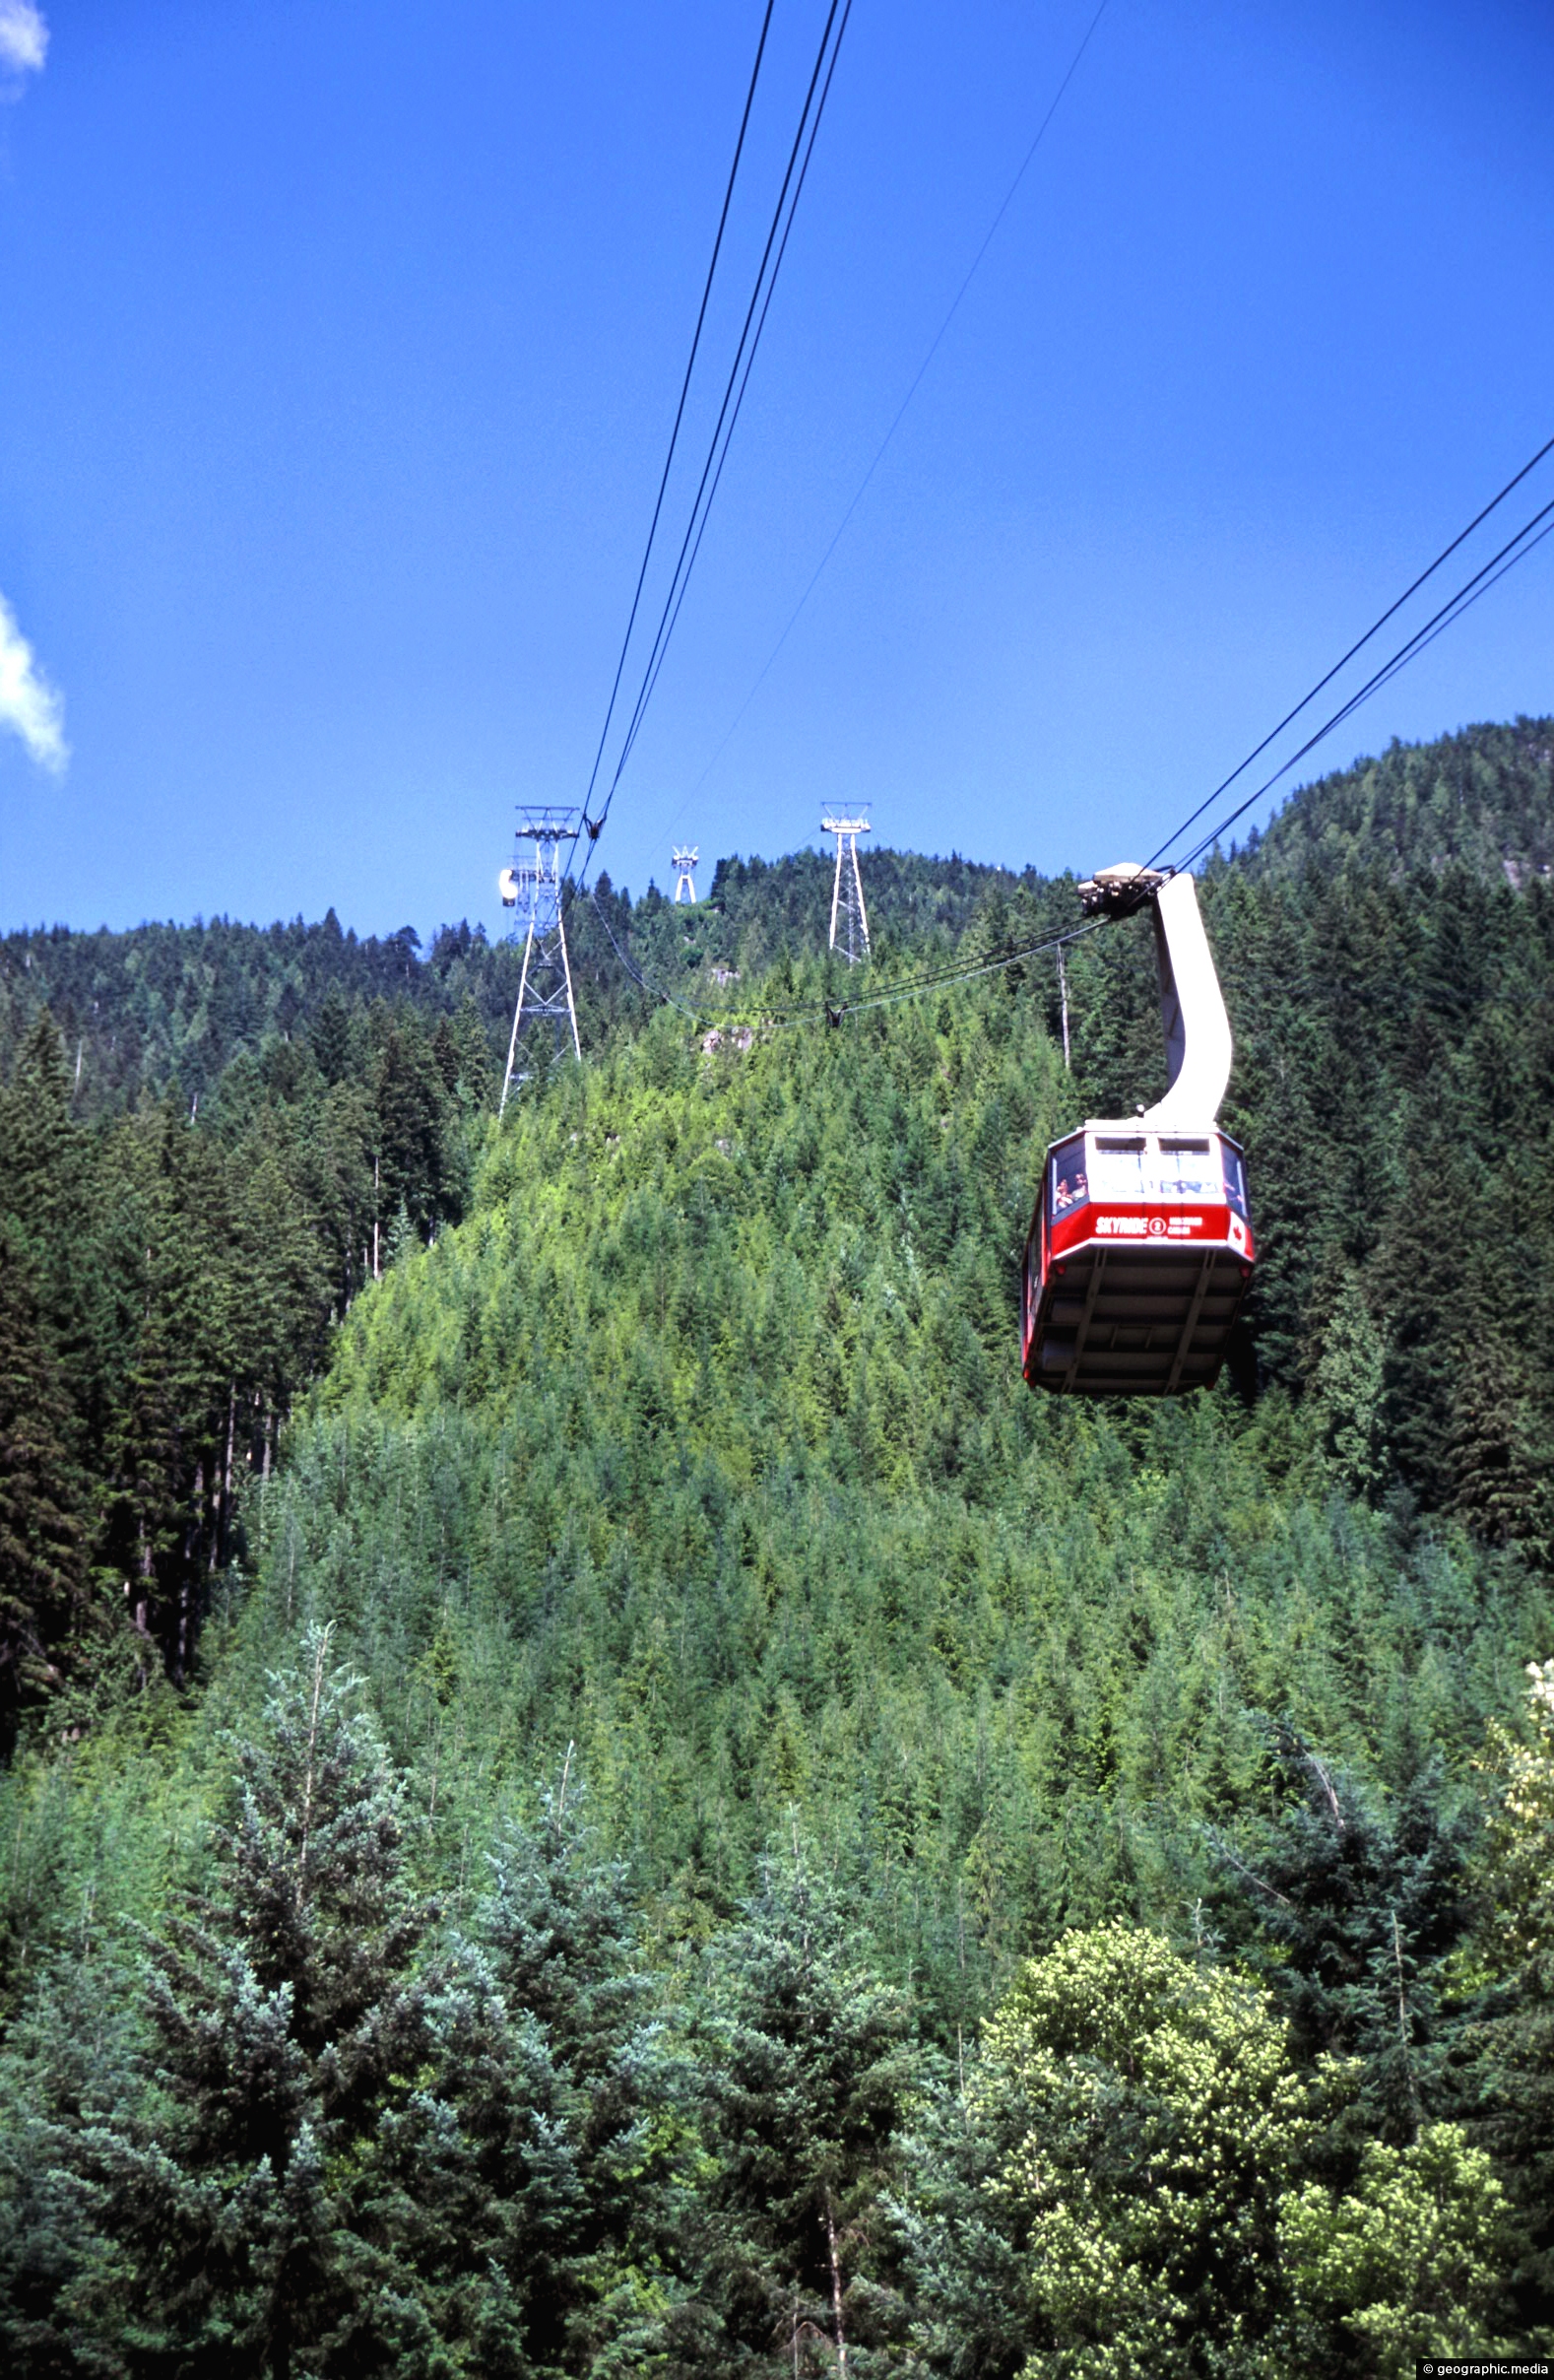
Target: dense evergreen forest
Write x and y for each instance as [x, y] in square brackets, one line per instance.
[592, 1784]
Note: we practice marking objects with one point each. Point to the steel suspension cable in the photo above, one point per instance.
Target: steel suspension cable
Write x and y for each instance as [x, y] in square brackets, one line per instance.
[666, 617]
[679, 410]
[1359, 645]
[918, 376]
[1517, 547]
[745, 382]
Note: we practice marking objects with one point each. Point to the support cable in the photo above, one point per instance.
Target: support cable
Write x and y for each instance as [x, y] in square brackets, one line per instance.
[684, 391]
[1359, 644]
[1516, 548]
[666, 619]
[739, 401]
[900, 414]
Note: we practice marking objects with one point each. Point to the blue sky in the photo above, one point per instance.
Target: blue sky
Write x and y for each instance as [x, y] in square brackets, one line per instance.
[339, 347]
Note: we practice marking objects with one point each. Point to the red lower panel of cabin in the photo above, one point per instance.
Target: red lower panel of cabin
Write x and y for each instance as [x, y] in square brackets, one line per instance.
[1133, 1301]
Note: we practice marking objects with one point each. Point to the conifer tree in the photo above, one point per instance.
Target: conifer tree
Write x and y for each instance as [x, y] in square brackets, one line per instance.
[812, 2064]
[1498, 1485]
[43, 1604]
[410, 1104]
[1430, 1304]
[1348, 1384]
[67, 2056]
[1355, 1911]
[331, 1035]
[295, 2192]
[402, 1238]
[561, 1937]
[39, 1169]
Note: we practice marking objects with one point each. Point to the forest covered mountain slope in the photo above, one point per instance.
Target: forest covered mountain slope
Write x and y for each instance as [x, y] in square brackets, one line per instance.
[691, 1787]
[162, 1004]
[165, 1005]
[1481, 799]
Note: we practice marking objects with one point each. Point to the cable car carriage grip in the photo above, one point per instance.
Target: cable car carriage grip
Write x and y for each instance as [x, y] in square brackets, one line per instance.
[1141, 1247]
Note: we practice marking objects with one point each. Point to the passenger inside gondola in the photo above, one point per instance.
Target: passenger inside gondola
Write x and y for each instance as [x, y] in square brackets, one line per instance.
[1069, 1189]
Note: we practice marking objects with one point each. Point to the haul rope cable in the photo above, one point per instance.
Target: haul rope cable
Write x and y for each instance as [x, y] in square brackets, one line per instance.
[1450, 611]
[1516, 548]
[684, 390]
[910, 988]
[900, 414]
[836, 1011]
[811, 1012]
[596, 827]
[1360, 643]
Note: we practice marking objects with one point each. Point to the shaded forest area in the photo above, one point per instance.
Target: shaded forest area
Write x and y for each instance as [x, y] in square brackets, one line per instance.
[675, 1818]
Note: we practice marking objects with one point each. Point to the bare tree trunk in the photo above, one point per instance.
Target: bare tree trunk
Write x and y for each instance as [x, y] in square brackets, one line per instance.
[1405, 2041]
[140, 1605]
[224, 1517]
[377, 1274]
[836, 2284]
[320, 1655]
[232, 1436]
[188, 1571]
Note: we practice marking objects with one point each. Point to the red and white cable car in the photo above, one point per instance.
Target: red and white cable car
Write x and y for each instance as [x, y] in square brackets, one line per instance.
[1141, 1247]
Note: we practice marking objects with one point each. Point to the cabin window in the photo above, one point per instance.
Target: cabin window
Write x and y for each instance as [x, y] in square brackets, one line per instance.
[1118, 1169]
[1138, 1170]
[1234, 1180]
[1188, 1171]
[1067, 1183]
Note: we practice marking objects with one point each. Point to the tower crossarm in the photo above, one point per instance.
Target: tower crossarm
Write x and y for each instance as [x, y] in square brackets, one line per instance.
[849, 916]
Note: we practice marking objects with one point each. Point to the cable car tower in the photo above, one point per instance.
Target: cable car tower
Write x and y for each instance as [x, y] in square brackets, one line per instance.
[1141, 1246]
[847, 892]
[534, 882]
[684, 859]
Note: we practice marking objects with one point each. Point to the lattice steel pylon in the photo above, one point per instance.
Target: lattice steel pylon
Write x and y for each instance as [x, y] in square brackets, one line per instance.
[684, 859]
[544, 988]
[847, 892]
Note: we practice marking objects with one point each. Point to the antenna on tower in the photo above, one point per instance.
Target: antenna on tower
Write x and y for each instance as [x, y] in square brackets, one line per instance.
[685, 860]
[847, 892]
[534, 882]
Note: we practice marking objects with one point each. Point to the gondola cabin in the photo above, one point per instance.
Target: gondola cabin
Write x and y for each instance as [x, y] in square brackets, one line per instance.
[1138, 1258]
[1141, 1246]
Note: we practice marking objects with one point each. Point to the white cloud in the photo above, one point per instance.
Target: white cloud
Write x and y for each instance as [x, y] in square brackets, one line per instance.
[23, 38]
[27, 703]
